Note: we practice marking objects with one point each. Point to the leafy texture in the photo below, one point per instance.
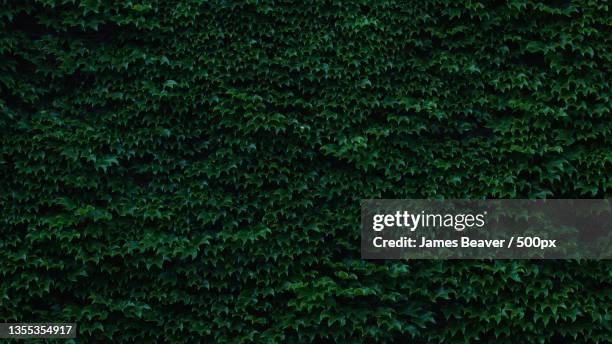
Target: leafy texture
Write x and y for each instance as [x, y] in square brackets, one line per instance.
[191, 171]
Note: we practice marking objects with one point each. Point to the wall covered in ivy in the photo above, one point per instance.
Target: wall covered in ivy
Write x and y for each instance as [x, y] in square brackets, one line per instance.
[191, 171]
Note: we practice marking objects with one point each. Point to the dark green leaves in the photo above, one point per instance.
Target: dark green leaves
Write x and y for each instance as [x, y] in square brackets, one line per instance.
[189, 171]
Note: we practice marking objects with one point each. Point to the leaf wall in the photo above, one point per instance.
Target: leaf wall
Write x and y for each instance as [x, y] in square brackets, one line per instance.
[191, 171]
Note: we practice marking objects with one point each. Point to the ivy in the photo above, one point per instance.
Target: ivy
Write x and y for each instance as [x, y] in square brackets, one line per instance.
[191, 171]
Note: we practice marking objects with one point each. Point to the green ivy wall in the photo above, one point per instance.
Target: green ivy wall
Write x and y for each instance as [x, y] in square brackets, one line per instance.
[191, 171]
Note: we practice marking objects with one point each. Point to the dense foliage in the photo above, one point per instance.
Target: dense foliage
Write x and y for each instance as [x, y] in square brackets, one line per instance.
[191, 171]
